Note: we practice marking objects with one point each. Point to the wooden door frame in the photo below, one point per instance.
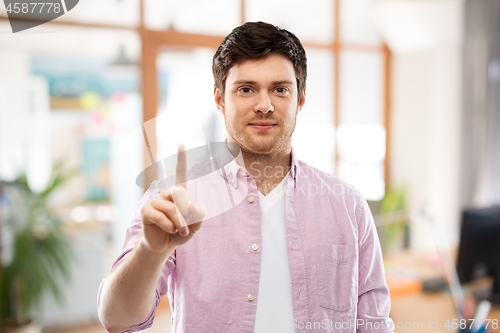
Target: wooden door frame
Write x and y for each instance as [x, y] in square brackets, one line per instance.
[153, 41]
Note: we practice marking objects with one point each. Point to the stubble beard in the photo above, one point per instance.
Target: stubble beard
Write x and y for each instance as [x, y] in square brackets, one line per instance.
[261, 145]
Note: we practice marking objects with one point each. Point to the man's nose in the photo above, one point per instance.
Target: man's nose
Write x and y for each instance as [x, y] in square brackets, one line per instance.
[264, 103]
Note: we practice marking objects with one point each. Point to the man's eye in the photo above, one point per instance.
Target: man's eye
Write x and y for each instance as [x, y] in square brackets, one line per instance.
[245, 90]
[280, 90]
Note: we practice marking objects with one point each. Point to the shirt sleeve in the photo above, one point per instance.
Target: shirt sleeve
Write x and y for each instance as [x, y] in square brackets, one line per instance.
[132, 237]
[374, 303]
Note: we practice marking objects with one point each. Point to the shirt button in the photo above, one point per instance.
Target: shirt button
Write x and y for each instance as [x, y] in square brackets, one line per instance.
[243, 173]
[251, 198]
[233, 180]
[250, 297]
[255, 247]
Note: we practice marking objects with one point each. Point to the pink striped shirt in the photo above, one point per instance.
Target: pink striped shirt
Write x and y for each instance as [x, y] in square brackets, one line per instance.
[212, 281]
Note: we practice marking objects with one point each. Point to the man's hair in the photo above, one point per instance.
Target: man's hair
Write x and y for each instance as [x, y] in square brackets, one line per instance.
[254, 41]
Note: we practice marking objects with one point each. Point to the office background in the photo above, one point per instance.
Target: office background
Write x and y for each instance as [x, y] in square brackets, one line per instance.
[401, 102]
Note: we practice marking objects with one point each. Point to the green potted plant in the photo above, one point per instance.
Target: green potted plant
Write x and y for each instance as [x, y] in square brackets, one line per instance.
[40, 251]
[393, 209]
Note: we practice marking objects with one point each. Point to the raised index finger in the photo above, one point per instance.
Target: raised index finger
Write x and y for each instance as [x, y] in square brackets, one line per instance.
[181, 168]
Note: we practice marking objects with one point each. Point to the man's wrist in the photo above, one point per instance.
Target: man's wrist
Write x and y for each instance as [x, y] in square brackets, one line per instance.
[144, 250]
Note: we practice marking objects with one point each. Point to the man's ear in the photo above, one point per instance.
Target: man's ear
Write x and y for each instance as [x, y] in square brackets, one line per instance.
[219, 101]
[302, 100]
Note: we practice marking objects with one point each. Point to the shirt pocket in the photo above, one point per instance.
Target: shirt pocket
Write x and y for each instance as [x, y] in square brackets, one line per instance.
[338, 275]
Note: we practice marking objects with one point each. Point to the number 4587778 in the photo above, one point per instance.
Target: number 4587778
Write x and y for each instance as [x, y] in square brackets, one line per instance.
[462, 323]
[33, 7]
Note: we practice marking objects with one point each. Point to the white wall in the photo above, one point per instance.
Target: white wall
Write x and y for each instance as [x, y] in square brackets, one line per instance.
[426, 119]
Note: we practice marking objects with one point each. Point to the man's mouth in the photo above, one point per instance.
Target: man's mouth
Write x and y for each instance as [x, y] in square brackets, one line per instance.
[262, 125]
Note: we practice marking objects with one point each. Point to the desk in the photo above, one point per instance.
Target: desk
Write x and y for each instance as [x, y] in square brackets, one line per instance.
[419, 309]
[424, 308]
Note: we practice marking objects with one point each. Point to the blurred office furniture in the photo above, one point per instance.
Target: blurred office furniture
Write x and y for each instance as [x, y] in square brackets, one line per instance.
[431, 308]
[419, 310]
[479, 251]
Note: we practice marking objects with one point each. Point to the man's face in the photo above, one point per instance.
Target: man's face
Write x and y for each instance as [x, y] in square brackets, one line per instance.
[260, 104]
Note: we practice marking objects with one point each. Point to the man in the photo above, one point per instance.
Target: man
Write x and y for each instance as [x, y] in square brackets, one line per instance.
[284, 247]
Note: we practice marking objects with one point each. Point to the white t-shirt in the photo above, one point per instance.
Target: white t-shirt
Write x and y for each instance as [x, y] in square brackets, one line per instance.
[274, 305]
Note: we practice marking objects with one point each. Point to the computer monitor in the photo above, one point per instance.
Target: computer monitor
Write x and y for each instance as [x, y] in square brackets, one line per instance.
[479, 250]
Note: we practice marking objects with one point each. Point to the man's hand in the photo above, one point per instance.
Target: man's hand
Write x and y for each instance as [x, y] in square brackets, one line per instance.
[172, 219]
[129, 290]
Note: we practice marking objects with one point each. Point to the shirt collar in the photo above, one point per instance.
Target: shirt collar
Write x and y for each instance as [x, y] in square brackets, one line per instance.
[230, 170]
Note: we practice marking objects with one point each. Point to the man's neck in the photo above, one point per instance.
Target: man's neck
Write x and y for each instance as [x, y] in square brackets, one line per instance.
[267, 170]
